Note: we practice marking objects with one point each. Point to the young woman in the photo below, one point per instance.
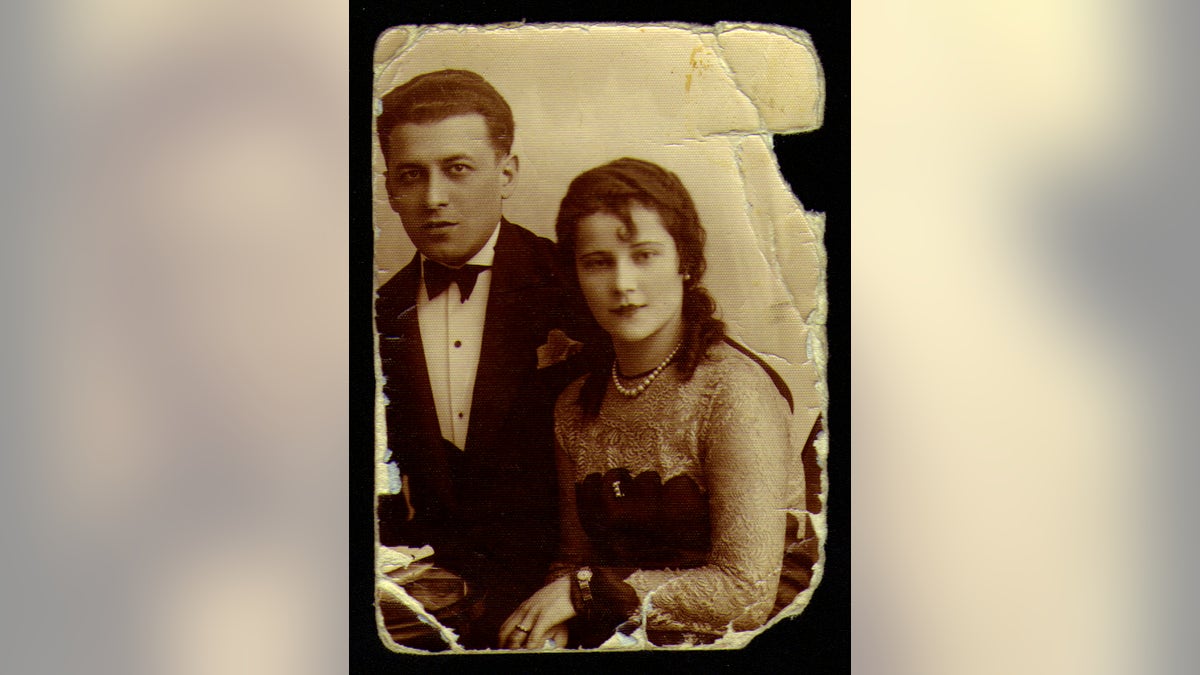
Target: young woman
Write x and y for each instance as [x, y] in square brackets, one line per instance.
[673, 457]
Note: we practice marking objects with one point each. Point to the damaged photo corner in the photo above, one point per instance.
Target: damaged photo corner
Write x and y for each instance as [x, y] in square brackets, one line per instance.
[600, 337]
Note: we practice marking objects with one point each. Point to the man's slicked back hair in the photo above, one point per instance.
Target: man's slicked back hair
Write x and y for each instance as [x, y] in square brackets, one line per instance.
[435, 96]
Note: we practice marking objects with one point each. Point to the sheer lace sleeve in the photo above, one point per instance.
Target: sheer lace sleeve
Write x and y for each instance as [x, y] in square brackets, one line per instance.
[743, 445]
[573, 549]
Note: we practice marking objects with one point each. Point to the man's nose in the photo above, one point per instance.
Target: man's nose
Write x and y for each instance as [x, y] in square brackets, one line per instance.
[437, 192]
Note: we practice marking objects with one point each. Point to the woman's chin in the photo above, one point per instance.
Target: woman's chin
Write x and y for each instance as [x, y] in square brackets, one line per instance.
[636, 332]
[628, 336]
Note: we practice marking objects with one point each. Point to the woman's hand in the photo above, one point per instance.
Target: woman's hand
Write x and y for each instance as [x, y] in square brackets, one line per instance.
[543, 615]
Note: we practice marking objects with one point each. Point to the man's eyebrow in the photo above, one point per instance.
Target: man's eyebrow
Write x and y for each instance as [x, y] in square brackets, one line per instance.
[458, 158]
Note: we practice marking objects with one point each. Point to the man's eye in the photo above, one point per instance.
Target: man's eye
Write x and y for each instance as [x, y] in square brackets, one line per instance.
[459, 168]
[408, 175]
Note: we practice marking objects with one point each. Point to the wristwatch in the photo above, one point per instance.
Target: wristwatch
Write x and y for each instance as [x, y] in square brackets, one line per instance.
[583, 580]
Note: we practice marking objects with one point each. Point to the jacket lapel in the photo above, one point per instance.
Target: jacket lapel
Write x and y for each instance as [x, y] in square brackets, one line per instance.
[505, 358]
[403, 359]
[397, 296]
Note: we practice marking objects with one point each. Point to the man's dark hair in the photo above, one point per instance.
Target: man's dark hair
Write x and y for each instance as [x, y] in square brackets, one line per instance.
[433, 97]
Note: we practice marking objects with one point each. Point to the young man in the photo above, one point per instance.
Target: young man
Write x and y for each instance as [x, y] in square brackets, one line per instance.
[469, 412]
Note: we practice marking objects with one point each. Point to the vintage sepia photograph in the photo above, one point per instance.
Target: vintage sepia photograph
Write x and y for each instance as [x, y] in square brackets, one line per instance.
[600, 343]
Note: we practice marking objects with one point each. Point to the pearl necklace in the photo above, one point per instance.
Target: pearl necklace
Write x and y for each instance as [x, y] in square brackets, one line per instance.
[636, 391]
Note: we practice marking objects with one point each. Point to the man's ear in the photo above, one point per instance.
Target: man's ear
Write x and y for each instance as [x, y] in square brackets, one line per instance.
[509, 168]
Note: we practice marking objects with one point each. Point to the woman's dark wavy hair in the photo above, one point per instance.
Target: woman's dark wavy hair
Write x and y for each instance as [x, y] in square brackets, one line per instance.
[614, 189]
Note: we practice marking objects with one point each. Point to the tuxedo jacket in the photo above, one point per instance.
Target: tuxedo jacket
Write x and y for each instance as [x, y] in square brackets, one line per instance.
[489, 509]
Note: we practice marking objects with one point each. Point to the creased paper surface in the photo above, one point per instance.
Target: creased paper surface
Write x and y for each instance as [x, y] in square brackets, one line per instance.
[702, 101]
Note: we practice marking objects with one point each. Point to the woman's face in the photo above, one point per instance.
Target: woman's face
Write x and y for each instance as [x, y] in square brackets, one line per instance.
[632, 283]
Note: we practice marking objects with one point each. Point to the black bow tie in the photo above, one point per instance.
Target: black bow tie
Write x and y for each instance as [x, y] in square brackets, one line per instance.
[438, 278]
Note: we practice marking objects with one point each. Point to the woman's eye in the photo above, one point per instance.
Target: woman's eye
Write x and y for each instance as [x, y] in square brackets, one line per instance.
[593, 264]
[644, 256]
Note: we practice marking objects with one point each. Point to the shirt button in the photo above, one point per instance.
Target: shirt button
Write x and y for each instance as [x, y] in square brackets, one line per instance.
[457, 344]
[460, 416]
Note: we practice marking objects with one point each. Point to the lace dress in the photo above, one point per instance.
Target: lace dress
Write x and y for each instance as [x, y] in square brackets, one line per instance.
[678, 499]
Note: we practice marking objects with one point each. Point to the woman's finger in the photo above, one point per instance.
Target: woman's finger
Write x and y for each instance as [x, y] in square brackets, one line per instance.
[510, 637]
[559, 635]
[539, 630]
[537, 636]
[516, 638]
[519, 615]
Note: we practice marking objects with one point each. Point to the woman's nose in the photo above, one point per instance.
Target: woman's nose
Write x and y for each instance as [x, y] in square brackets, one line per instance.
[625, 279]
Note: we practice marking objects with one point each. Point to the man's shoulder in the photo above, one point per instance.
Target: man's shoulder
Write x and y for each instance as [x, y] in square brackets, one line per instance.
[402, 287]
[526, 240]
[529, 254]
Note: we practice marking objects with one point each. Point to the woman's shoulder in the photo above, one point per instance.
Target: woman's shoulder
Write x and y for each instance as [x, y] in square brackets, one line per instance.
[725, 364]
[732, 375]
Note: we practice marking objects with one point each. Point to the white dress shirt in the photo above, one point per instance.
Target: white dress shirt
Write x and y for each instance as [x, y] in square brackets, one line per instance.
[452, 334]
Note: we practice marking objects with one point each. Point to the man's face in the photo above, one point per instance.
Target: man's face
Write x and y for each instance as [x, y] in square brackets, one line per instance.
[447, 185]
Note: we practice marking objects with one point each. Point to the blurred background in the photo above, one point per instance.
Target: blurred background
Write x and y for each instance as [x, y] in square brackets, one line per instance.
[175, 266]
[176, 446]
[1023, 182]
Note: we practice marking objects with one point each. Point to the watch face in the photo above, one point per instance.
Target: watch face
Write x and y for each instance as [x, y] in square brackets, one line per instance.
[584, 575]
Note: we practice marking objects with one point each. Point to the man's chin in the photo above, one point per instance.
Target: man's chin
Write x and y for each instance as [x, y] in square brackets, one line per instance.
[448, 246]
[436, 245]
[446, 255]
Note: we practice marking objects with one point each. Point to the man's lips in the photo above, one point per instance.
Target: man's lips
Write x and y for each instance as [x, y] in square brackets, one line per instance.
[438, 225]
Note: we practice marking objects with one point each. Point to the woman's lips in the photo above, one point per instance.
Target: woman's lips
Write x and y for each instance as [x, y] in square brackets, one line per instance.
[626, 310]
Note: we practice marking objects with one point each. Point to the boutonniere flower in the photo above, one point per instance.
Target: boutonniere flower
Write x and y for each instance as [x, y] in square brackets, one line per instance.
[558, 348]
